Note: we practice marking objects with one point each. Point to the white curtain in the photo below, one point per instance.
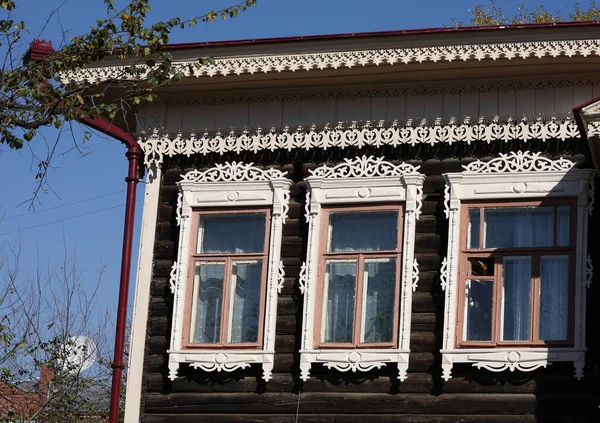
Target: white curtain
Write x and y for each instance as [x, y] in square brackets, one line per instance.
[516, 301]
[209, 280]
[338, 301]
[245, 301]
[554, 297]
[378, 300]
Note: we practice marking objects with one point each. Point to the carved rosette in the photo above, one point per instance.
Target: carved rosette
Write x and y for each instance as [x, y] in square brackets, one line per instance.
[348, 59]
[157, 146]
[520, 161]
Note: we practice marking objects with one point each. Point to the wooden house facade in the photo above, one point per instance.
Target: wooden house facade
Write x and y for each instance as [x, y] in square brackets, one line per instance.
[390, 227]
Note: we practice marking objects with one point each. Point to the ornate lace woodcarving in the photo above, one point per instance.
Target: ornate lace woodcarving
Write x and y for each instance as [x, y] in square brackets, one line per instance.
[158, 146]
[520, 161]
[224, 186]
[349, 59]
[232, 172]
[364, 167]
[302, 280]
[280, 276]
[415, 275]
[173, 277]
[511, 177]
[362, 180]
[444, 274]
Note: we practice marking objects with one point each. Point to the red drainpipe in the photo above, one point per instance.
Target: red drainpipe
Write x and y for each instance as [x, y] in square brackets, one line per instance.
[134, 156]
[38, 51]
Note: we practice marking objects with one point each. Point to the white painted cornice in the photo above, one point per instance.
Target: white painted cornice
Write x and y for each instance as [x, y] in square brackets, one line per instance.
[360, 58]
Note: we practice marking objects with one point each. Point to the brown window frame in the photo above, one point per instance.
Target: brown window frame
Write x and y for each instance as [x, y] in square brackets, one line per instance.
[359, 256]
[497, 279]
[227, 259]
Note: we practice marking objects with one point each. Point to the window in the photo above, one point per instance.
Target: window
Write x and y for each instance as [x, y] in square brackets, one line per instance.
[228, 287]
[228, 270]
[517, 265]
[360, 277]
[360, 270]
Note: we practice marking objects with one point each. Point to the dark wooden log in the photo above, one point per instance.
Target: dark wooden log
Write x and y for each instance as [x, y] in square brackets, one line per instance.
[344, 403]
[428, 261]
[166, 212]
[422, 302]
[164, 250]
[159, 326]
[285, 343]
[337, 418]
[162, 267]
[159, 307]
[422, 342]
[157, 344]
[286, 306]
[286, 325]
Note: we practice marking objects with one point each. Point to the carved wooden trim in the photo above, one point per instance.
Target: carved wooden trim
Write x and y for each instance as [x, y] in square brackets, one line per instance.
[508, 177]
[362, 180]
[223, 186]
[157, 146]
[349, 59]
[520, 161]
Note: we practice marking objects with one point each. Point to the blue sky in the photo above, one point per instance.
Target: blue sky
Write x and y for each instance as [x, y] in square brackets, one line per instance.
[96, 182]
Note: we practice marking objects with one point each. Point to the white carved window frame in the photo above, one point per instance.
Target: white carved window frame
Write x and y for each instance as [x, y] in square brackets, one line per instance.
[517, 175]
[229, 185]
[360, 181]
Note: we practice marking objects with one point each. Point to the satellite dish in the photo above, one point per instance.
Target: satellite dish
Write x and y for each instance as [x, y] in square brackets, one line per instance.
[81, 354]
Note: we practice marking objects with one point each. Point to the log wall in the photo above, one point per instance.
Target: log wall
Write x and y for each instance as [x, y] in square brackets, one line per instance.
[470, 396]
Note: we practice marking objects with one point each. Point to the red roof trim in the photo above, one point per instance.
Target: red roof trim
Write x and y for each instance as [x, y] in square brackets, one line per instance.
[208, 44]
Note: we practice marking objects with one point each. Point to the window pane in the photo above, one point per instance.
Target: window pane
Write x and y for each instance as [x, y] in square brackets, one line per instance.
[338, 301]
[231, 233]
[516, 299]
[474, 228]
[244, 302]
[208, 298]
[563, 223]
[478, 310]
[511, 227]
[554, 298]
[363, 231]
[379, 293]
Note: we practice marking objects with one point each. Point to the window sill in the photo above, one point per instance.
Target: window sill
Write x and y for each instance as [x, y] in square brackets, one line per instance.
[523, 359]
[361, 360]
[219, 360]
